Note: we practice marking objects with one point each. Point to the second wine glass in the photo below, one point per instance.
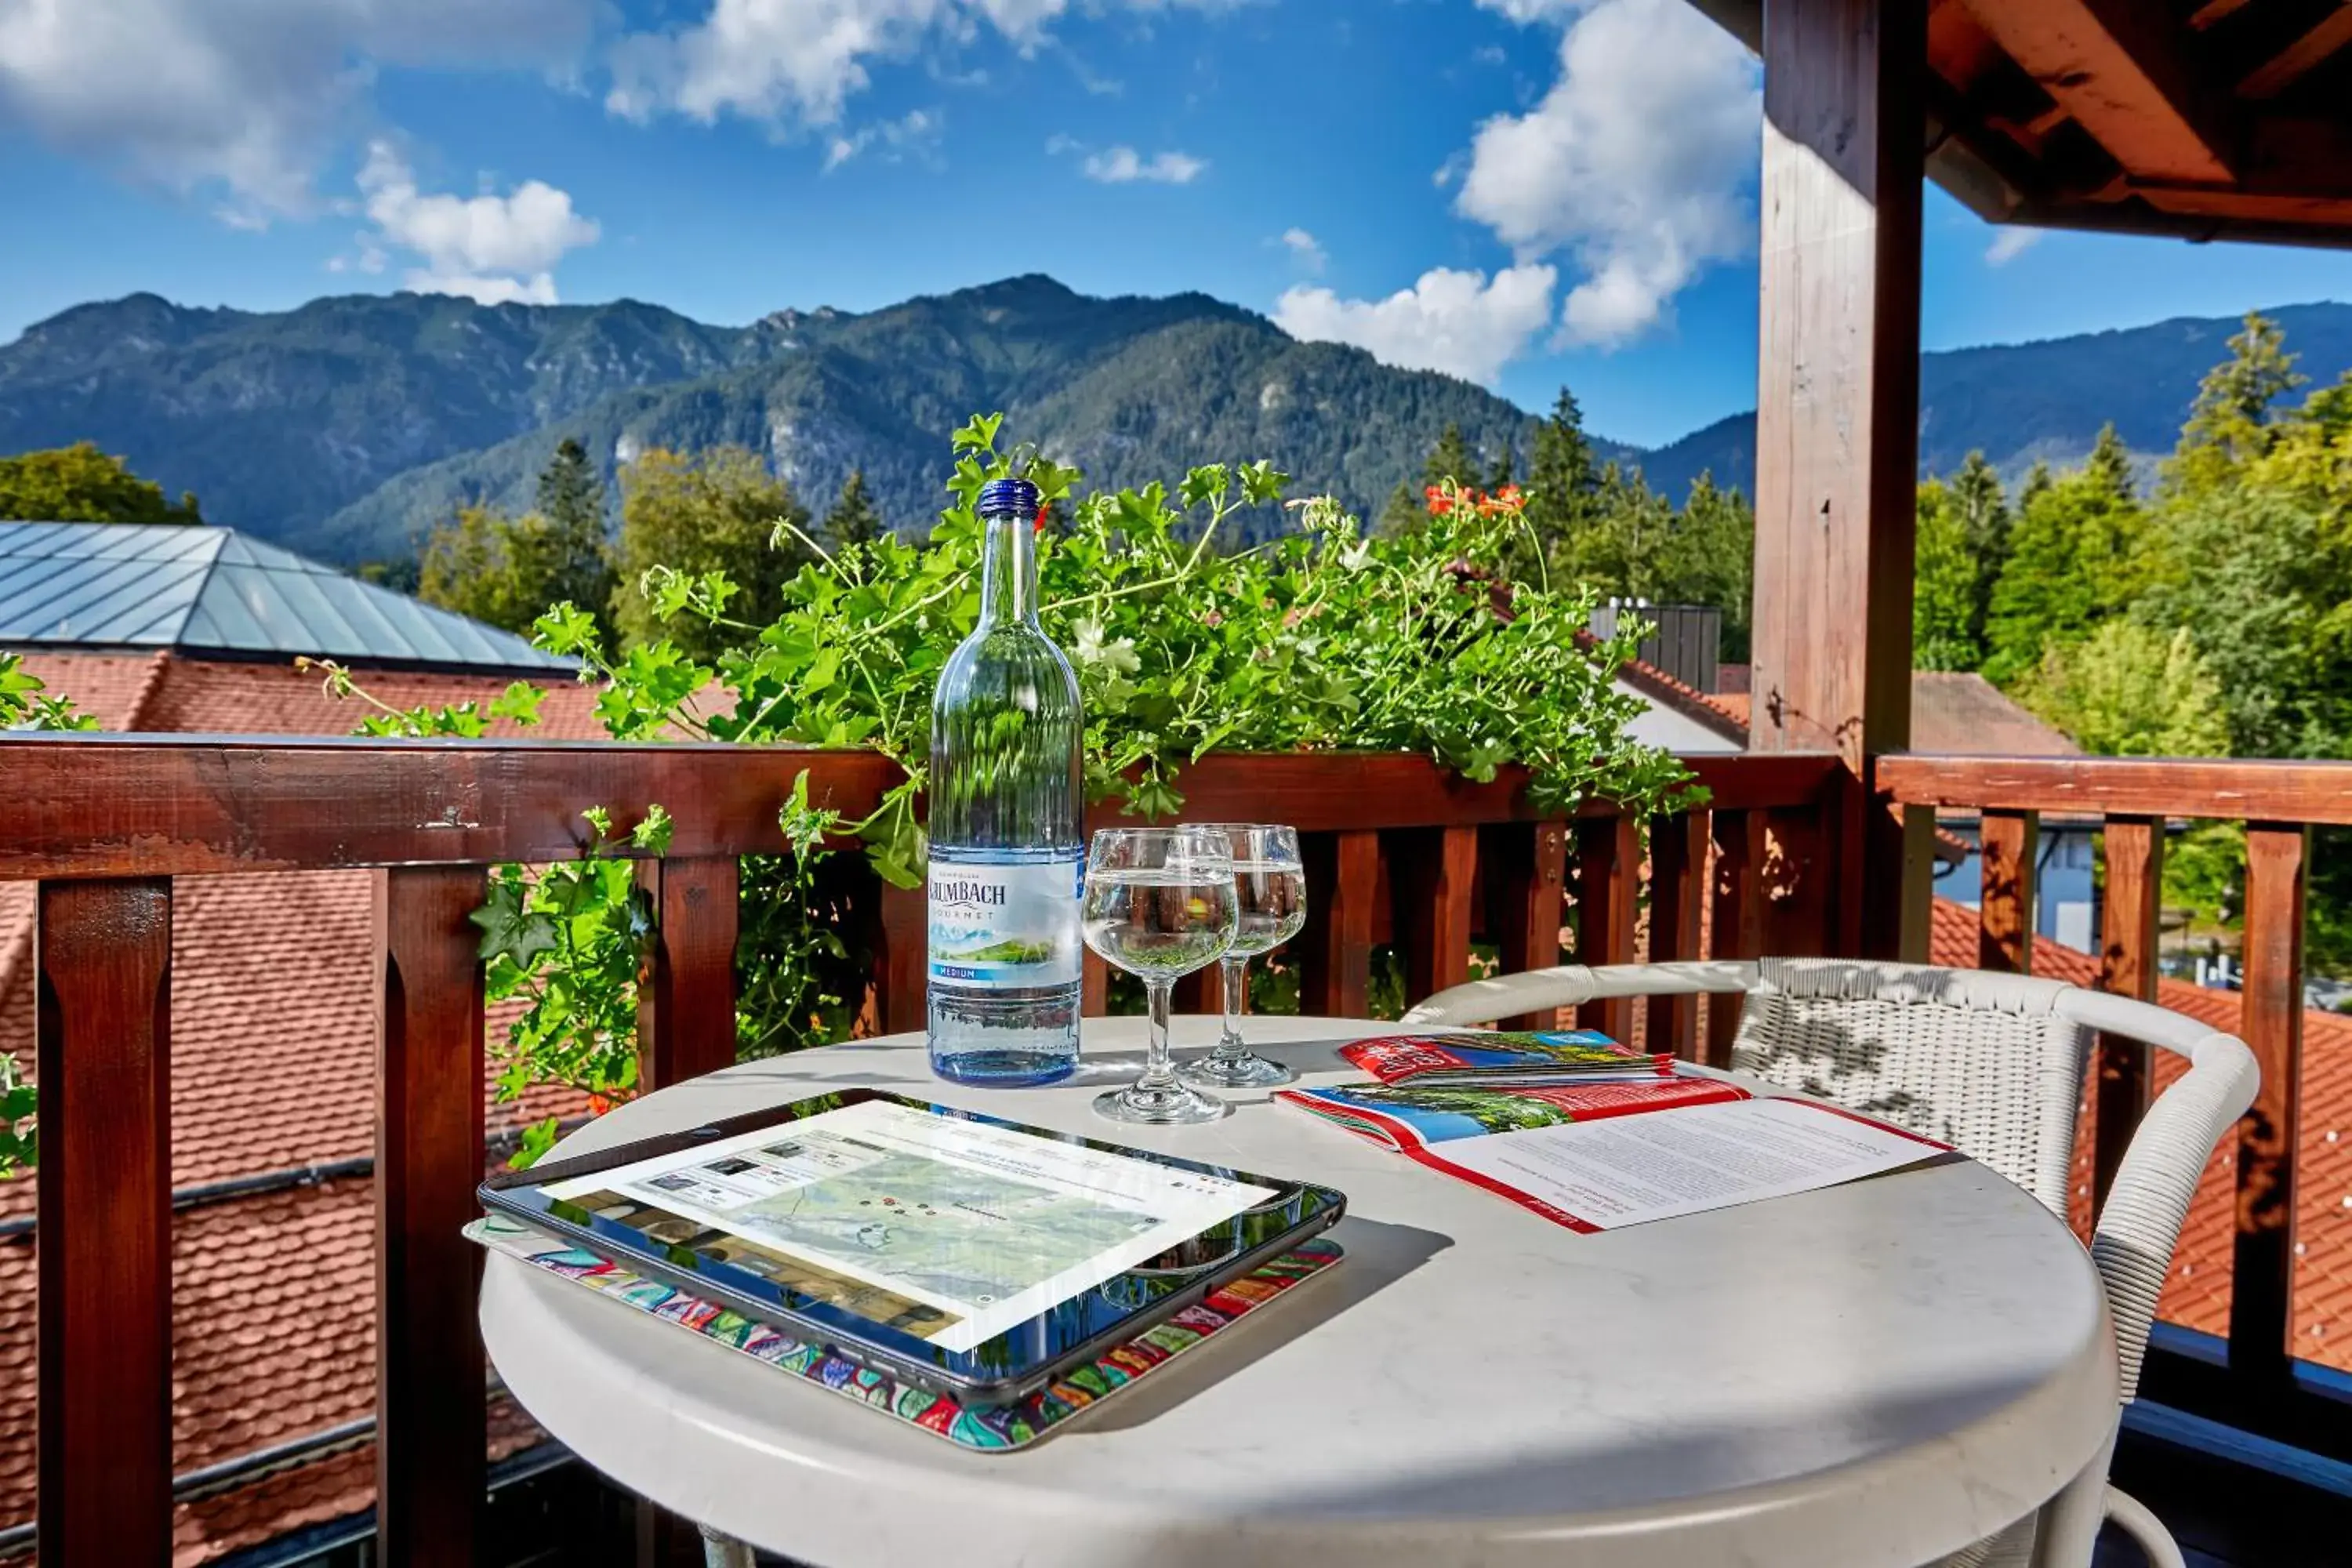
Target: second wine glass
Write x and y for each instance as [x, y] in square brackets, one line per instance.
[1159, 903]
[1270, 885]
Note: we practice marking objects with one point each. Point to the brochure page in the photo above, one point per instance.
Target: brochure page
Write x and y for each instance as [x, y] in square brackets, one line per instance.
[951, 1229]
[1407, 1115]
[1628, 1170]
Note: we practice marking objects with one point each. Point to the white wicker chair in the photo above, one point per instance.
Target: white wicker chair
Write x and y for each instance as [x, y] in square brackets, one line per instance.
[1992, 1064]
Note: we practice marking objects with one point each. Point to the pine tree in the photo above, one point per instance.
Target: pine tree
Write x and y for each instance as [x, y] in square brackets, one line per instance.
[571, 541]
[1451, 460]
[1560, 477]
[2228, 425]
[2078, 556]
[854, 518]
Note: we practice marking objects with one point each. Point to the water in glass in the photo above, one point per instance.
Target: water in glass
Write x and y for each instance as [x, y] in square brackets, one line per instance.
[1159, 903]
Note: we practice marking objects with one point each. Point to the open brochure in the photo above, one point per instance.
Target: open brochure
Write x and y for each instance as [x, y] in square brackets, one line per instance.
[1478, 1056]
[1604, 1156]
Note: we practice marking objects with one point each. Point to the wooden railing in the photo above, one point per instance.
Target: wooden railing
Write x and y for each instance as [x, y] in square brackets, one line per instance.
[2134, 799]
[1398, 851]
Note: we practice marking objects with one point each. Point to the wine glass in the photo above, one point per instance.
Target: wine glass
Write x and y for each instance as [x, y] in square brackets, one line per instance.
[1270, 888]
[1159, 903]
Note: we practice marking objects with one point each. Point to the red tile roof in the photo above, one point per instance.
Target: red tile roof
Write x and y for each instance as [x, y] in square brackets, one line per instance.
[273, 1067]
[2197, 1295]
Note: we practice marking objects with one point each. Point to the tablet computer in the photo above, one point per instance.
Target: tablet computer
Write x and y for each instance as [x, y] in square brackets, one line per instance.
[971, 1255]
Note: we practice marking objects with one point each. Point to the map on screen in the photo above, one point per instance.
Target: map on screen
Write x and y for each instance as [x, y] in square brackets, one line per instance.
[951, 1229]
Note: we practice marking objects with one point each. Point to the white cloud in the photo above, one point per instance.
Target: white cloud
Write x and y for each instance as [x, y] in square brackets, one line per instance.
[916, 131]
[796, 63]
[489, 247]
[1305, 249]
[1123, 165]
[2009, 244]
[1458, 323]
[1636, 164]
[246, 101]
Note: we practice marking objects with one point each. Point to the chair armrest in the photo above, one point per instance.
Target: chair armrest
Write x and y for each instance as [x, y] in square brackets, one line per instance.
[1533, 990]
[2137, 1228]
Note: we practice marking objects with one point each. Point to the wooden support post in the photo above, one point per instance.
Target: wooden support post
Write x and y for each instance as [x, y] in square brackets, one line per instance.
[1679, 894]
[102, 1013]
[1837, 416]
[1608, 864]
[2007, 843]
[1429, 880]
[431, 1426]
[1525, 867]
[2261, 1283]
[1738, 918]
[1335, 950]
[2134, 857]
[686, 984]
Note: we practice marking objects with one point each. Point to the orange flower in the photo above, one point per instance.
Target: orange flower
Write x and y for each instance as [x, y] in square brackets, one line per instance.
[598, 1104]
[1440, 503]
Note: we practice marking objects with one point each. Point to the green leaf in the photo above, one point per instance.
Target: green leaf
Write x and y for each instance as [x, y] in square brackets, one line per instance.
[652, 833]
[511, 932]
[519, 702]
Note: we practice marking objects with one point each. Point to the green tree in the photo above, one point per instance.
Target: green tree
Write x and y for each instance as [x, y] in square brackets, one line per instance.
[716, 510]
[1451, 462]
[81, 484]
[2077, 555]
[1561, 477]
[854, 518]
[1943, 635]
[508, 571]
[1963, 545]
[2229, 425]
[574, 548]
[2130, 690]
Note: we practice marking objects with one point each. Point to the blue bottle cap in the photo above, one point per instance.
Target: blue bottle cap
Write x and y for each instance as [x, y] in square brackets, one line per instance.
[1018, 497]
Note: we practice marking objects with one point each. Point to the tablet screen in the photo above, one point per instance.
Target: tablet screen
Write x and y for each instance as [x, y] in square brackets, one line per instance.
[951, 1230]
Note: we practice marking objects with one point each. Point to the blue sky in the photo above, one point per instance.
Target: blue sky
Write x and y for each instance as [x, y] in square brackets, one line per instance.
[1526, 192]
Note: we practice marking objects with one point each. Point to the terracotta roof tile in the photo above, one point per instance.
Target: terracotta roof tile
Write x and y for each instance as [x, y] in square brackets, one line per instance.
[2197, 1294]
[273, 1065]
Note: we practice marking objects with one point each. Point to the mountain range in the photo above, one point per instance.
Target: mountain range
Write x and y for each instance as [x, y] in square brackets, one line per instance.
[347, 427]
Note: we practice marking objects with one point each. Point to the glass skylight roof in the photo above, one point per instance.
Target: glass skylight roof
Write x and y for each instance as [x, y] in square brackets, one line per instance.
[198, 589]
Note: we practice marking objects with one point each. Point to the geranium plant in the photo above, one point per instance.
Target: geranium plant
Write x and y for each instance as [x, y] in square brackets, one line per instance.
[1186, 638]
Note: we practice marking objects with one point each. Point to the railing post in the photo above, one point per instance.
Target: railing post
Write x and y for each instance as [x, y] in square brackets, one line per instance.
[2127, 937]
[1608, 859]
[103, 1033]
[902, 924]
[1799, 862]
[1335, 950]
[1429, 878]
[1525, 870]
[2262, 1284]
[432, 1425]
[2006, 843]
[1738, 918]
[685, 986]
[1678, 847]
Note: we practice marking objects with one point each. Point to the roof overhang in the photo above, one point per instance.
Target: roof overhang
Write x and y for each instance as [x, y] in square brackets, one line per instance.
[2225, 119]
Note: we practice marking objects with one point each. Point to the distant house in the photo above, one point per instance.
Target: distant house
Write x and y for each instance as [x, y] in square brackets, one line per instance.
[180, 629]
[1966, 715]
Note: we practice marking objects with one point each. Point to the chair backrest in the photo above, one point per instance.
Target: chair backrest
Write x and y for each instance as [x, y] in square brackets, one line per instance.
[1984, 1062]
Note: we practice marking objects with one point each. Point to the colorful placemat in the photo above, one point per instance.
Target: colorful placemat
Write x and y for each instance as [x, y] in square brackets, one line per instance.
[994, 1429]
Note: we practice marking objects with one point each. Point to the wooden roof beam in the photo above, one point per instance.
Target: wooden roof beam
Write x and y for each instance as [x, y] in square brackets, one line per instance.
[2213, 11]
[2117, 68]
[2296, 61]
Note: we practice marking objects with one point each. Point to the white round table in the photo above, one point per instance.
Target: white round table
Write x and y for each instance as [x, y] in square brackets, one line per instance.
[1866, 1376]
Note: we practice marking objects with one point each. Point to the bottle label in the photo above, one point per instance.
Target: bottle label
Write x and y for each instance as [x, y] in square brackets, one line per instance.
[1006, 925]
